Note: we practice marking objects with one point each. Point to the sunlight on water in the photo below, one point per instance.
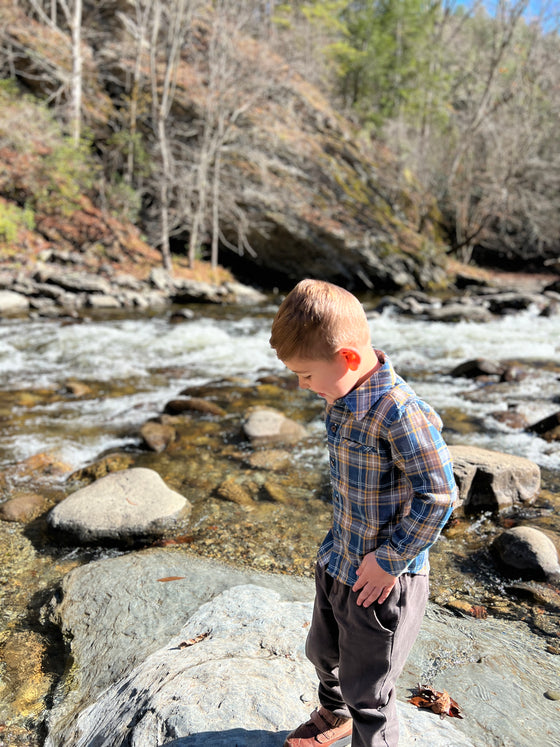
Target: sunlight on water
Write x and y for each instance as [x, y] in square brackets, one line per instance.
[158, 359]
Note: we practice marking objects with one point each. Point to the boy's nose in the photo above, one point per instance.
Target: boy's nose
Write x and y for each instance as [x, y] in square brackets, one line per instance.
[302, 383]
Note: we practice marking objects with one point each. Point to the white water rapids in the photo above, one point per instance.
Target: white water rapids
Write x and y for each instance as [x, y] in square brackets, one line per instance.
[145, 361]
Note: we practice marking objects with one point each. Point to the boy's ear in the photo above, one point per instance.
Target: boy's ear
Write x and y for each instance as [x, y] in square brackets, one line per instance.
[352, 358]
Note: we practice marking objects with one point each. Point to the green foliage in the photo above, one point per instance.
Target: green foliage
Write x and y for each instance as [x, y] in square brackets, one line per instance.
[323, 14]
[124, 201]
[387, 61]
[12, 219]
[123, 142]
[57, 173]
[64, 175]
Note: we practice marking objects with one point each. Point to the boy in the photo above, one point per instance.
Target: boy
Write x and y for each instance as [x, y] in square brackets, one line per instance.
[392, 492]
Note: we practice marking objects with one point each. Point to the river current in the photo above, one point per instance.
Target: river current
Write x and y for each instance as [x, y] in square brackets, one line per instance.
[138, 364]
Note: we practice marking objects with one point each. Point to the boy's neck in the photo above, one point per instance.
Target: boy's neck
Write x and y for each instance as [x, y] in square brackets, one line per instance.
[369, 364]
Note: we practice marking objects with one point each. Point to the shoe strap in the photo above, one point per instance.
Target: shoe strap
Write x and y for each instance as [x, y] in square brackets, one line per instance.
[322, 721]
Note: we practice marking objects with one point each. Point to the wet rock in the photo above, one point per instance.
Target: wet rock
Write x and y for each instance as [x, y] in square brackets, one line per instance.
[547, 428]
[270, 459]
[491, 480]
[540, 593]
[24, 682]
[195, 404]
[157, 436]
[231, 490]
[78, 389]
[510, 417]
[183, 315]
[456, 312]
[527, 549]
[22, 508]
[477, 367]
[123, 505]
[503, 303]
[12, 303]
[276, 493]
[44, 465]
[265, 425]
[104, 466]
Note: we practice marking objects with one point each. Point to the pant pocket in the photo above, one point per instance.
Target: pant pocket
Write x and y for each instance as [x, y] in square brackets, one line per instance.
[386, 616]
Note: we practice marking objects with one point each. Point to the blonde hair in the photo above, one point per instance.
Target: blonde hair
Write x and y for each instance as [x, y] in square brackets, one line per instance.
[315, 320]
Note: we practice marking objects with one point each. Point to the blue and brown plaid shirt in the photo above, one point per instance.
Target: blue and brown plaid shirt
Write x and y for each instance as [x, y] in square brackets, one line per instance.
[392, 478]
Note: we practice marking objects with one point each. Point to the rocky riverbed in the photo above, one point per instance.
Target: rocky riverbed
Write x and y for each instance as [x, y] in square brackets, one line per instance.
[246, 492]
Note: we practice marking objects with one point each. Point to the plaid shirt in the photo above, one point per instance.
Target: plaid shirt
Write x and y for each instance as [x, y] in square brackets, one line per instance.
[392, 478]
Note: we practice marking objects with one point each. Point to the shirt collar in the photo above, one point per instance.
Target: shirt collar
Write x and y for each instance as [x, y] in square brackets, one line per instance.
[360, 400]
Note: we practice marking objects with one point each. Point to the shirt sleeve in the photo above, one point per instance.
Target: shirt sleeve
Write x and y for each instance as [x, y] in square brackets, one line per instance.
[419, 452]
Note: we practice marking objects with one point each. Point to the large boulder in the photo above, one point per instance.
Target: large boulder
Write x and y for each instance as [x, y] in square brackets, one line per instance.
[129, 504]
[194, 653]
[492, 480]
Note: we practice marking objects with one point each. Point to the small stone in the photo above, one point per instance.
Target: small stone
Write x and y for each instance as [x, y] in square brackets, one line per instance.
[232, 491]
[271, 459]
[552, 694]
[157, 436]
[22, 508]
[265, 425]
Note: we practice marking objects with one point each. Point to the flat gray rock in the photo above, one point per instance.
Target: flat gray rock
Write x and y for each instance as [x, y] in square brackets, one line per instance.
[236, 674]
[169, 648]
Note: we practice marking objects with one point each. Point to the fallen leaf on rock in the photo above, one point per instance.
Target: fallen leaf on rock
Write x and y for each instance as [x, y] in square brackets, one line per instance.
[438, 702]
[192, 641]
[171, 578]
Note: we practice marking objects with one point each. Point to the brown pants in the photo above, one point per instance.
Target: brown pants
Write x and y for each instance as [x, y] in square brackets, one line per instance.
[359, 653]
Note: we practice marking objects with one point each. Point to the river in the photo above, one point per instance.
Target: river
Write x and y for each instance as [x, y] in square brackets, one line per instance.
[79, 389]
[137, 364]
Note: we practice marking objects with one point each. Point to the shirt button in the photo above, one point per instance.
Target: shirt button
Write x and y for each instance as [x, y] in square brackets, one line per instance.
[333, 428]
[333, 462]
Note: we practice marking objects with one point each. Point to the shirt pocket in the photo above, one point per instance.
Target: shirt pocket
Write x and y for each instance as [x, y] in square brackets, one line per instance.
[363, 464]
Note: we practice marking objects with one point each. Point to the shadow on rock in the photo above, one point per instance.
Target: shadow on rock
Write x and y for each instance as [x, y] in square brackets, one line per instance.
[231, 738]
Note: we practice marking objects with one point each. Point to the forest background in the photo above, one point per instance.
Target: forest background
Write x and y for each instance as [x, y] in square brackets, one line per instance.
[156, 111]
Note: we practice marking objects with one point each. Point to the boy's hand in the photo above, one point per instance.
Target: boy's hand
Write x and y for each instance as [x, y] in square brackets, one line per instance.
[375, 583]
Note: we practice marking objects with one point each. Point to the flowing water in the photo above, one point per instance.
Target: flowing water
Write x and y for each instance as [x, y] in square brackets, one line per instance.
[135, 365]
[78, 389]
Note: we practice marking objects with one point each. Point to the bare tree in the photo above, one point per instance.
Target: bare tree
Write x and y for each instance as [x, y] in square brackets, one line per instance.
[238, 73]
[71, 20]
[170, 22]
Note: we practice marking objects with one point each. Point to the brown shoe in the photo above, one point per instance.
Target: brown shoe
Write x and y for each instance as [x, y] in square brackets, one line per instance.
[323, 728]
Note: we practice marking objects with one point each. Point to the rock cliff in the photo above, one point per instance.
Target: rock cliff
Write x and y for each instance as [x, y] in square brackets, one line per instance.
[300, 194]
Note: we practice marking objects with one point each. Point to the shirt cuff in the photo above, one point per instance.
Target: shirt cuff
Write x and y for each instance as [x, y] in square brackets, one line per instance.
[390, 561]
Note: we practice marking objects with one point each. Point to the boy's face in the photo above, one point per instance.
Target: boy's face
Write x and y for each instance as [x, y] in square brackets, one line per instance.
[330, 379]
